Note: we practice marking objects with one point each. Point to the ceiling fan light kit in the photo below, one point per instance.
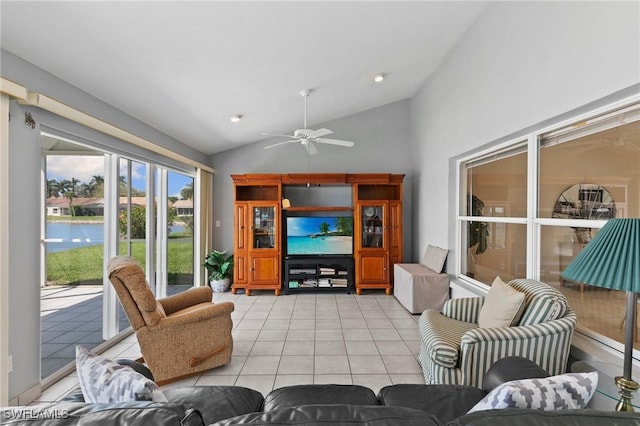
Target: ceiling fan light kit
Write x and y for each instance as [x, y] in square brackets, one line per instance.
[378, 78]
[308, 137]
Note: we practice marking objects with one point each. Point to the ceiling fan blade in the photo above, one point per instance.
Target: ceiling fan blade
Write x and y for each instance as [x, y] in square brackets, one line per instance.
[280, 143]
[311, 148]
[335, 142]
[279, 135]
[319, 133]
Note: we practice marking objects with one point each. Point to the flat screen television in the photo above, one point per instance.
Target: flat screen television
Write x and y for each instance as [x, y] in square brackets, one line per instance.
[319, 235]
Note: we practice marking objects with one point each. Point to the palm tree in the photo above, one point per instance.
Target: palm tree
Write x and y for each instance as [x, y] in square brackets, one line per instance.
[122, 186]
[53, 188]
[96, 186]
[324, 228]
[74, 184]
[97, 180]
[67, 188]
[187, 192]
[64, 186]
[344, 225]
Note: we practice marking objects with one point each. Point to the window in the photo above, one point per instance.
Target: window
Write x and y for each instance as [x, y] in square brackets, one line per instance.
[586, 172]
[494, 203]
[180, 237]
[71, 301]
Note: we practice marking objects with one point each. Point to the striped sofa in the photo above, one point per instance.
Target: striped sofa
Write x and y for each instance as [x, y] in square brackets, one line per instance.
[454, 350]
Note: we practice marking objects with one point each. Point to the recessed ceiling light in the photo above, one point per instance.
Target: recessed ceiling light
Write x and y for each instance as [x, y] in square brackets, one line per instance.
[378, 78]
[235, 118]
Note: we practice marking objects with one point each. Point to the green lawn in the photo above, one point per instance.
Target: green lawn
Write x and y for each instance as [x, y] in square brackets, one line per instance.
[84, 265]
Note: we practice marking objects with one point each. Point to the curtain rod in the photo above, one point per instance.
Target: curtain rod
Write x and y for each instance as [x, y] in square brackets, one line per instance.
[12, 89]
[47, 103]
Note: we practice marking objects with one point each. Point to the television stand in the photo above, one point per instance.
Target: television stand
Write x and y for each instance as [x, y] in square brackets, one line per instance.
[318, 273]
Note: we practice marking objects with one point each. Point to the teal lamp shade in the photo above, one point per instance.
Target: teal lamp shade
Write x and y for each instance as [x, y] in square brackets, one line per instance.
[612, 259]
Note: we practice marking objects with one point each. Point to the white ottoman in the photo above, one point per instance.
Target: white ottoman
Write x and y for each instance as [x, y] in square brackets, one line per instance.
[418, 288]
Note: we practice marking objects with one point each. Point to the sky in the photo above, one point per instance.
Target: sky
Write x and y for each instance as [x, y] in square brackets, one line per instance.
[83, 168]
[303, 226]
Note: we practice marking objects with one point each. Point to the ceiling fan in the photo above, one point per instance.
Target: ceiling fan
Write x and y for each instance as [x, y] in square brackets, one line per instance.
[307, 137]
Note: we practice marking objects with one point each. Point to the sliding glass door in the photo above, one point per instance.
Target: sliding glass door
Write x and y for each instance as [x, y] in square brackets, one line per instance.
[179, 225]
[72, 245]
[96, 205]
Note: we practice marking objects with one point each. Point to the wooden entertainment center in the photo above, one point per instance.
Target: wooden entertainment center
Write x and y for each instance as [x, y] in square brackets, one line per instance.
[260, 260]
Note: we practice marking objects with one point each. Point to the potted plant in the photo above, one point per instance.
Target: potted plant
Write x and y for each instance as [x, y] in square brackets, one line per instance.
[219, 265]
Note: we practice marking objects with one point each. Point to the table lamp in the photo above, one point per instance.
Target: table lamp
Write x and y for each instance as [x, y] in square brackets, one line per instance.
[612, 260]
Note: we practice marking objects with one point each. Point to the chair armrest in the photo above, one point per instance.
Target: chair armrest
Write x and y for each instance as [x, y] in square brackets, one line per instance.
[481, 347]
[204, 313]
[187, 298]
[465, 309]
[441, 336]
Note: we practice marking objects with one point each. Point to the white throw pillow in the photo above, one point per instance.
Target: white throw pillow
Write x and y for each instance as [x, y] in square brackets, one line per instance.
[564, 392]
[503, 306]
[106, 381]
[434, 258]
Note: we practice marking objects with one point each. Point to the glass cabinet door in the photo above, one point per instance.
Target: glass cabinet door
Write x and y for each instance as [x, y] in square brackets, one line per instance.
[264, 227]
[372, 219]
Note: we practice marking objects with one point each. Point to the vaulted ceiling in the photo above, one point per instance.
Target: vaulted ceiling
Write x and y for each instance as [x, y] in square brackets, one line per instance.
[186, 67]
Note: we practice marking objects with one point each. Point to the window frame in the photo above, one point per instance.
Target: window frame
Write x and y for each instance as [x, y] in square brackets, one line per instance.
[156, 244]
[533, 136]
[461, 219]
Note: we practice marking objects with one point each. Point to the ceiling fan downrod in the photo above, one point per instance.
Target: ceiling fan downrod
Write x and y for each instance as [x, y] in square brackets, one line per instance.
[305, 94]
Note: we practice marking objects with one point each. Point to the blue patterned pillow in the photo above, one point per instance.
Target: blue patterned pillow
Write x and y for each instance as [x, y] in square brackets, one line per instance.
[103, 380]
[563, 392]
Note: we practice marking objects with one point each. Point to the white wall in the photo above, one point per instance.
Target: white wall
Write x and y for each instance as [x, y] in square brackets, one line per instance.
[25, 205]
[24, 256]
[520, 64]
[381, 137]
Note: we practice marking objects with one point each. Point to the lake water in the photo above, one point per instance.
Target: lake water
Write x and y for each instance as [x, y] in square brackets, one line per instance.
[319, 245]
[69, 235]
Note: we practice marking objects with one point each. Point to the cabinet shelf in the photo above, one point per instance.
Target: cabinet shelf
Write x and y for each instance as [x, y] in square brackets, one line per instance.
[318, 273]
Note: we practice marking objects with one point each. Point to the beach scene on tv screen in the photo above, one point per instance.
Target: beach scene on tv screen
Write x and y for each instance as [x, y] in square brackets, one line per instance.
[319, 235]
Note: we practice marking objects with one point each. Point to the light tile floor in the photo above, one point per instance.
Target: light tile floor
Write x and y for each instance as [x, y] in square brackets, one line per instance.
[304, 338]
[71, 315]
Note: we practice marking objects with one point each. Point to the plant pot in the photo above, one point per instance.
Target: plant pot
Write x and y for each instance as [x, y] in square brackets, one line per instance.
[220, 286]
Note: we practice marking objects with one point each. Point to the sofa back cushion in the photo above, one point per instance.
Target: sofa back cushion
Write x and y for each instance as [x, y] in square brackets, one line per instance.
[336, 415]
[291, 396]
[444, 402]
[139, 413]
[216, 402]
[543, 302]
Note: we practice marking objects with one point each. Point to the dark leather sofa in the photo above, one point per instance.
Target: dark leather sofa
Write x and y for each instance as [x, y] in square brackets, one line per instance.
[402, 404]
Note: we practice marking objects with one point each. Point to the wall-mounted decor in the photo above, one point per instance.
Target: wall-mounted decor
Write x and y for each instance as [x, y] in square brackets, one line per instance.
[584, 201]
